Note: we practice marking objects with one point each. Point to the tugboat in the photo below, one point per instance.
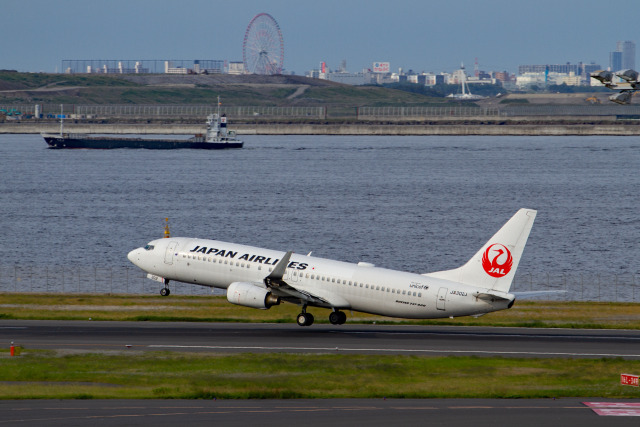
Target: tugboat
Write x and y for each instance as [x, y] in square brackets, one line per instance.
[217, 137]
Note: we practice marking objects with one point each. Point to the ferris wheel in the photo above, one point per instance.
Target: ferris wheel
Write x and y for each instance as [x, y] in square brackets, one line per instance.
[263, 46]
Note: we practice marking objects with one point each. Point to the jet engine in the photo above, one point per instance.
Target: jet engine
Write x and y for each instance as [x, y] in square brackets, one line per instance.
[621, 98]
[628, 75]
[251, 295]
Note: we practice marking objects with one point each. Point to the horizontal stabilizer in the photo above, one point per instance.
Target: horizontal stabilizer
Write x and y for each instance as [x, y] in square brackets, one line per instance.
[494, 297]
[530, 294]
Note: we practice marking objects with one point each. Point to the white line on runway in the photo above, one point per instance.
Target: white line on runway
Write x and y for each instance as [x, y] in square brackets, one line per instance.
[390, 350]
[484, 335]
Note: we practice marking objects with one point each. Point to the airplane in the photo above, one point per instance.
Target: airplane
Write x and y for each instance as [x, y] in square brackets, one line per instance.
[262, 278]
[626, 89]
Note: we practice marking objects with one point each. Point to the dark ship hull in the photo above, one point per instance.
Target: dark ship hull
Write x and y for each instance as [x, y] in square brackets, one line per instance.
[108, 143]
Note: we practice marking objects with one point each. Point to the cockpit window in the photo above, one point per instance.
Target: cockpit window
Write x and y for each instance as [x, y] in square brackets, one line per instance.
[149, 247]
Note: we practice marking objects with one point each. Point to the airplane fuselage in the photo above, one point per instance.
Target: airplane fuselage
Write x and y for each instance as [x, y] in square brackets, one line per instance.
[341, 285]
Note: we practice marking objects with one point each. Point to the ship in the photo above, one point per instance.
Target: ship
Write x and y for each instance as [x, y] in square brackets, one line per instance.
[216, 137]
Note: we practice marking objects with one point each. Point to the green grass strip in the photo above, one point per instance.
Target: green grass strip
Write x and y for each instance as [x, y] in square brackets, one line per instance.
[143, 375]
[533, 314]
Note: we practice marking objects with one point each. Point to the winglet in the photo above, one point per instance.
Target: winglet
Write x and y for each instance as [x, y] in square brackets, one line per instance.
[278, 272]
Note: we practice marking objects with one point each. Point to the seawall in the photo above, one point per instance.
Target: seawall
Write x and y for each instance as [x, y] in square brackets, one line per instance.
[540, 129]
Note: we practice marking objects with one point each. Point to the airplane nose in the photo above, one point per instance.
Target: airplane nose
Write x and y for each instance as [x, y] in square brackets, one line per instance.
[133, 256]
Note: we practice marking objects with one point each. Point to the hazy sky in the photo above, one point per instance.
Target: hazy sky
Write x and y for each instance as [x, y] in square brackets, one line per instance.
[421, 35]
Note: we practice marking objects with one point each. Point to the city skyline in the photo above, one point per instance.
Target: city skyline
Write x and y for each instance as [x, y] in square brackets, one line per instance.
[418, 35]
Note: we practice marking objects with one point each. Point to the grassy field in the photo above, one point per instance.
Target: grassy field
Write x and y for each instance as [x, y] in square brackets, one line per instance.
[45, 374]
[68, 374]
[18, 88]
[217, 309]
[137, 375]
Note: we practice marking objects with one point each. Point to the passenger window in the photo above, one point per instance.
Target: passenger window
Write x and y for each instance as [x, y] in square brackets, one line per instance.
[333, 280]
[242, 265]
[366, 286]
[382, 289]
[360, 284]
[312, 276]
[259, 267]
[404, 292]
[225, 261]
[419, 294]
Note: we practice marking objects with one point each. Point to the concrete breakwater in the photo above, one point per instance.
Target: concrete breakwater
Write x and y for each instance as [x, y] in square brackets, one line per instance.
[524, 129]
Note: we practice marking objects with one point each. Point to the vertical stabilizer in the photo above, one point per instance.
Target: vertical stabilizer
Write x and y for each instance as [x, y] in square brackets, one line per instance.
[494, 266]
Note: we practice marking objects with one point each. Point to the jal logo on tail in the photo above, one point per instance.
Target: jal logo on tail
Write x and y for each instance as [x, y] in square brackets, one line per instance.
[497, 260]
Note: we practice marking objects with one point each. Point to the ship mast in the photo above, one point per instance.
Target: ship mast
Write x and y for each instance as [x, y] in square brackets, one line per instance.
[61, 121]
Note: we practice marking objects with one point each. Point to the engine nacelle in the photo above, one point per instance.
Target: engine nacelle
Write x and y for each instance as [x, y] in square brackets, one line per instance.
[251, 295]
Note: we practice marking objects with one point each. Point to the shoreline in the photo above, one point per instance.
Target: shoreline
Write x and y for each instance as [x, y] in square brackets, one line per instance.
[390, 129]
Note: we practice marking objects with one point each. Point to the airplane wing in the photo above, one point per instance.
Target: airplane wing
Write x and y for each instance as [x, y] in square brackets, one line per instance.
[279, 287]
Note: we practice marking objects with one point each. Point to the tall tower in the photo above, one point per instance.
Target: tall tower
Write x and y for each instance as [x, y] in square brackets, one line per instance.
[615, 61]
[628, 49]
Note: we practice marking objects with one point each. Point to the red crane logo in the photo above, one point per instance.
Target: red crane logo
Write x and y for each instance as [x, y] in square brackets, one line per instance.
[497, 260]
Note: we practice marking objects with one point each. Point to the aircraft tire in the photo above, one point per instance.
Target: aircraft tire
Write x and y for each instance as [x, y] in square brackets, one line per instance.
[165, 292]
[334, 317]
[343, 317]
[305, 319]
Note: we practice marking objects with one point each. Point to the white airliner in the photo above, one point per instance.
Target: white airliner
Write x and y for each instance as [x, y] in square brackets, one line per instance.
[261, 278]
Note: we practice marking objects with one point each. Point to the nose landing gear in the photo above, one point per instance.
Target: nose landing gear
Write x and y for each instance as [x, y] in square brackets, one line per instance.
[165, 291]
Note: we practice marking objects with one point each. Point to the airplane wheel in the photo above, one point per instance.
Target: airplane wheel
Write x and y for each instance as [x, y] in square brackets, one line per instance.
[165, 292]
[337, 317]
[334, 317]
[302, 319]
[343, 317]
[305, 319]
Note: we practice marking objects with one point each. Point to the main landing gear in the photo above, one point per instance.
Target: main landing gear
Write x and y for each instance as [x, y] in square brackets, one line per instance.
[337, 317]
[306, 319]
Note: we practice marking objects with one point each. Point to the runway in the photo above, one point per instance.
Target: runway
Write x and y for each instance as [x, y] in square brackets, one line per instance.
[348, 339]
[320, 412]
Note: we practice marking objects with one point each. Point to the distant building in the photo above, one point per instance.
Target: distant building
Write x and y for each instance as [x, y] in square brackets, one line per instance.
[236, 67]
[502, 76]
[550, 68]
[615, 61]
[155, 66]
[628, 49]
[570, 74]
